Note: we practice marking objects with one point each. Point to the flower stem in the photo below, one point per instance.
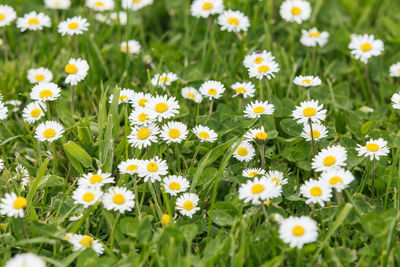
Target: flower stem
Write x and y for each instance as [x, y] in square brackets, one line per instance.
[312, 137]
[113, 231]
[268, 90]
[21, 223]
[261, 147]
[72, 100]
[195, 155]
[373, 177]
[54, 158]
[211, 107]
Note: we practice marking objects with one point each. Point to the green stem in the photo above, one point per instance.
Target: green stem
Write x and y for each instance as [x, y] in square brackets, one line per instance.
[195, 155]
[113, 231]
[312, 137]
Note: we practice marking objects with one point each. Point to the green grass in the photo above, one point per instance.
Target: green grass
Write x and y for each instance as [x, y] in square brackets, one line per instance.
[362, 230]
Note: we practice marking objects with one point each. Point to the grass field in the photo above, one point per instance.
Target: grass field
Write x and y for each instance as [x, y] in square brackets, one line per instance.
[358, 226]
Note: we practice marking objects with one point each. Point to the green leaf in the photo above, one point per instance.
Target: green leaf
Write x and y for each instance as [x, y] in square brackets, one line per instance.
[78, 153]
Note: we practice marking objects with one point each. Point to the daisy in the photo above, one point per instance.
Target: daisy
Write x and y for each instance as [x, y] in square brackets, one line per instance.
[259, 190]
[295, 11]
[297, 231]
[135, 4]
[100, 5]
[205, 8]
[3, 111]
[309, 110]
[247, 90]
[130, 166]
[174, 132]
[125, 96]
[205, 134]
[187, 203]
[1, 164]
[153, 169]
[338, 178]
[316, 192]
[256, 135]
[365, 46]
[374, 149]
[25, 259]
[86, 196]
[22, 173]
[119, 199]
[140, 100]
[319, 132]
[95, 179]
[114, 17]
[7, 15]
[212, 89]
[307, 81]
[175, 184]
[40, 75]
[143, 136]
[266, 69]
[13, 205]
[34, 112]
[313, 37]
[49, 131]
[395, 70]
[252, 172]
[244, 152]
[276, 177]
[256, 58]
[57, 4]
[330, 157]
[33, 21]
[257, 108]
[162, 107]
[73, 26]
[131, 47]
[233, 21]
[164, 79]
[77, 69]
[396, 101]
[46, 91]
[85, 241]
[140, 116]
[192, 94]
[14, 103]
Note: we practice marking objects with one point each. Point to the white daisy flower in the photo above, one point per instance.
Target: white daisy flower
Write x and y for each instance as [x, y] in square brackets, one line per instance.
[57, 4]
[297, 231]
[295, 11]
[129, 166]
[396, 101]
[307, 81]
[313, 37]
[3, 111]
[257, 108]
[14, 103]
[244, 152]
[205, 8]
[119, 199]
[33, 112]
[205, 134]
[140, 116]
[247, 90]
[84, 242]
[125, 96]
[164, 79]
[140, 100]
[33, 21]
[174, 132]
[87, 195]
[1, 164]
[337, 178]
[395, 70]
[22, 173]
[40, 75]
[277, 177]
[135, 4]
[257, 58]
[12, 205]
[114, 17]
[266, 69]
[212, 89]
[144, 135]
[49, 131]
[192, 94]
[77, 69]
[365, 46]
[162, 107]
[259, 190]
[316, 192]
[73, 26]
[131, 47]
[95, 179]
[100, 5]
[233, 21]
[175, 184]
[252, 172]
[309, 110]
[7, 15]
[25, 259]
[75, 218]
[319, 132]
[374, 149]
[45, 91]
[256, 135]
[153, 169]
[187, 204]
[330, 157]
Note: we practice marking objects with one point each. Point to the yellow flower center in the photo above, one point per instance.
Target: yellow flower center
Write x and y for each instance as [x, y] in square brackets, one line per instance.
[335, 180]
[161, 107]
[241, 90]
[316, 133]
[314, 34]
[309, 112]
[143, 117]
[33, 21]
[276, 180]
[174, 133]
[212, 91]
[99, 4]
[329, 160]
[87, 197]
[188, 205]
[71, 69]
[67, 237]
[252, 174]
[204, 135]
[45, 93]
[263, 68]
[49, 133]
[73, 25]
[366, 47]
[257, 188]
[132, 167]
[372, 147]
[261, 136]
[233, 21]
[191, 96]
[174, 186]
[307, 81]
[152, 167]
[143, 133]
[296, 10]
[95, 179]
[87, 241]
[165, 219]
[123, 97]
[258, 110]
[35, 113]
[242, 151]
[136, 1]
[119, 199]
[142, 102]
[298, 230]
[20, 203]
[163, 80]
[125, 48]
[2, 17]
[316, 191]
[39, 77]
[207, 6]
[258, 60]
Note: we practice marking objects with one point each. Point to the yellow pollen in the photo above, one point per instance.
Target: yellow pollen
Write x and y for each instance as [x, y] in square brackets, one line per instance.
[73, 25]
[241, 90]
[99, 4]
[191, 96]
[372, 147]
[257, 188]
[143, 117]
[258, 60]
[71, 69]
[207, 6]
[35, 113]
[87, 241]
[142, 102]
[87, 197]
[163, 80]
[20, 203]
[49, 133]
[123, 97]
[174, 133]
[316, 134]
[132, 167]
[366, 47]
[261, 136]
[95, 179]
[45, 93]
[119, 199]
[39, 77]
[204, 135]
[2, 17]
[276, 180]
[152, 167]
[258, 110]
[309, 112]
[212, 91]
[335, 180]
[143, 133]
[242, 151]
[174, 186]
[188, 205]
[252, 174]
[298, 230]
[136, 1]
[307, 81]
[316, 191]
[33, 21]
[263, 68]
[161, 107]
[296, 10]
[165, 219]
[314, 34]
[233, 21]
[329, 160]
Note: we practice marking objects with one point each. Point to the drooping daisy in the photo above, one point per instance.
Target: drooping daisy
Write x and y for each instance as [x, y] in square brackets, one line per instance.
[337, 178]
[15, 103]
[307, 81]
[100, 5]
[114, 17]
[33, 21]
[144, 135]
[140, 116]
[175, 184]
[365, 46]
[192, 94]
[309, 110]
[45, 91]
[12, 205]
[396, 101]
[395, 70]
[95, 179]
[7, 15]
[244, 152]
[164, 79]
[125, 96]
[330, 157]
[247, 90]
[25, 259]
[316, 192]
[187, 204]
[135, 4]
[73, 26]
[205, 8]
[233, 21]
[87, 195]
[49, 131]
[259, 190]
[313, 37]
[153, 169]
[256, 135]
[22, 174]
[140, 100]
[277, 177]
[86, 241]
[257, 58]
[77, 69]
[266, 69]
[205, 134]
[295, 11]
[162, 107]
[40, 75]
[119, 199]
[252, 172]
[129, 166]
[257, 108]
[212, 89]
[57, 4]
[174, 132]
[319, 132]
[131, 47]
[3, 111]
[374, 149]
[34, 112]
[297, 231]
